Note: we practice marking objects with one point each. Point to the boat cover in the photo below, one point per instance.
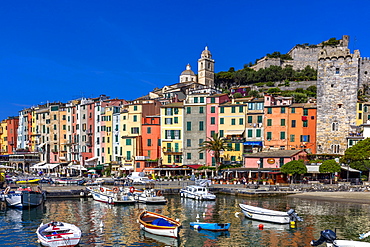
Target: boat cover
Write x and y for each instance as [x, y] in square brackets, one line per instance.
[161, 222]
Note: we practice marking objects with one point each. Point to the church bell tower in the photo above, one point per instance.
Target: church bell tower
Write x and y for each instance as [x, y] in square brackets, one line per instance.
[206, 69]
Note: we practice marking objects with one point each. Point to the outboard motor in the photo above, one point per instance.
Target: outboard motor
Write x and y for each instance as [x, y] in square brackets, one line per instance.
[293, 215]
[327, 236]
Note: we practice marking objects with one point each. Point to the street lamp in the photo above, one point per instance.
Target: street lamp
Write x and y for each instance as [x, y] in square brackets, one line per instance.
[259, 166]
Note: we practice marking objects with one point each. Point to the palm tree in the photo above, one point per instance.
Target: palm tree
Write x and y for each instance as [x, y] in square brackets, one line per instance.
[215, 144]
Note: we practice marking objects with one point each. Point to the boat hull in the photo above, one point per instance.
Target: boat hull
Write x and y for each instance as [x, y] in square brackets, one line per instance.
[146, 220]
[210, 226]
[266, 215]
[197, 193]
[110, 197]
[71, 235]
[348, 243]
[24, 199]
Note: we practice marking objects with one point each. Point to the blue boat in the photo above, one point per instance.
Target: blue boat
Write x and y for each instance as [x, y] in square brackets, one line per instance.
[210, 226]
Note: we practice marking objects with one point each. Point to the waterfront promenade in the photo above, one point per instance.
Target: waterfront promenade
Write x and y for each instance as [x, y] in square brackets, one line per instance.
[355, 194]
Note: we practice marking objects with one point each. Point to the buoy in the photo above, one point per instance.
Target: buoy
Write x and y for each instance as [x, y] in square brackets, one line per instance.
[204, 214]
[292, 224]
[197, 216]
[260, 226]
[237, 214]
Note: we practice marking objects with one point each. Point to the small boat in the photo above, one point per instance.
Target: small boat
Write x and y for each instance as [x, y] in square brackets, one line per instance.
[268, 215]
[210, 226]
[150, 196]
[58, 234]
[24, 197]
[330, 238]
[69, 181]
[158, 224]
[28, 181]
[197, 192]
[111, 196]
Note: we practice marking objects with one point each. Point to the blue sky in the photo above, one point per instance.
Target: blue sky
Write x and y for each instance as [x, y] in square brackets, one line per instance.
[61, 50]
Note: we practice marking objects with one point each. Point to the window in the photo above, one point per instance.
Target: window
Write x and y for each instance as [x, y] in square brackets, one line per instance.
[188, 110]
[282, 135]
[336, 70]
[360, 116]
[195, 99]
[222, 120]
[169, 159]
[269, 122]
[269, 136]
[149, 130]
[237, 146]
[135, 107]
[233, 121]
[200, 141]
[188, 156]
[305, 138]
[213, 120]
[149, 142]
[128, 142]
[305, 112]
[335, 149]
[305, 123]
[221, 133]
[201, 156]
[282, 110]
[168, 120]
[201, 110]
[334, 126]
[135, 118]
[188, 142]
[213, 109]
[250, 119]
[176, 110]
[269, 110]
[259, 119]
[250, 133]
[222, 110]
[258, 133]
[213, 132]
[292, 110]
[233, 109]
[213, 100]
[241, 121]
[292, 138]
[135, 130]
[176, 120]
[240, 109]
[201, 99]
[168, 112]
[201, 126]
[188, 126]
[282, 122]
[293, 123]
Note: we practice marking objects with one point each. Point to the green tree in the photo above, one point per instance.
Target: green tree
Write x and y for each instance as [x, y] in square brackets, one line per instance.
[254, 93]
[329, 166]
[358, 156]
[294, 168]
[215, 144]
[237, 95]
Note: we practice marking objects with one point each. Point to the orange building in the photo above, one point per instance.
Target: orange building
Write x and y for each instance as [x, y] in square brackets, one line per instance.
[302, 127]
[151, 134]
[276, 122]
[12, 126]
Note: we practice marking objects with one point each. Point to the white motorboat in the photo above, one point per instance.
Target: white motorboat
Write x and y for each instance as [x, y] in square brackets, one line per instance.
[24, 197]
[330, 238]
[111, 196]
[197, 192]
[150, 196]
[268, 215]
[69, 180]
[58, 234]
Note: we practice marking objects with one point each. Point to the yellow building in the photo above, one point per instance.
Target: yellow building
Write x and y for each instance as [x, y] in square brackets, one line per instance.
[172, 133]
[232, 127]
[3, 138]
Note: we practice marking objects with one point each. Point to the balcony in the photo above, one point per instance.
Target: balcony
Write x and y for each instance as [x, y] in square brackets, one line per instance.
[89, 132]
[88, 144]
[169, 151]
[54, 150]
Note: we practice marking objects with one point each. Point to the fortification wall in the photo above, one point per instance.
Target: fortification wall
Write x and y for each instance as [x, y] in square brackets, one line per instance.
[364, 74]
[266, 62]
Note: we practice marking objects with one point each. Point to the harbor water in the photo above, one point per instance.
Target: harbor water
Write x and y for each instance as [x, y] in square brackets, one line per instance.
[107, 225]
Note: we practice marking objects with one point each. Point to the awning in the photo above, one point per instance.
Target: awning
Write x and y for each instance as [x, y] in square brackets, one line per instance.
[91, 159]
[253, 143]
[77, 167]
[312, 169]
[125, 168]
[234, 132]
[193, 166]
[349, 169]
[49, 166]
[38, 165]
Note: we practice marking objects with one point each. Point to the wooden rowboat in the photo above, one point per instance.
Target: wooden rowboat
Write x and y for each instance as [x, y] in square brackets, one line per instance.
[159, 224]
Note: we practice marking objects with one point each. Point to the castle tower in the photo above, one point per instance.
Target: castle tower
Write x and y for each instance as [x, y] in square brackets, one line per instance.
[188, 75]
[206, 68]
[337, 87]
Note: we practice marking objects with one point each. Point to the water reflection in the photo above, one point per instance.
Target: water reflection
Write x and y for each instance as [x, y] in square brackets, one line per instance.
[107, 225]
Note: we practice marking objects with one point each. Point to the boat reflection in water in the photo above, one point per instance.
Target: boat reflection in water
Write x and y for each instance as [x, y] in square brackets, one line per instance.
[159, 240]
[213, 235]
[264, 225]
